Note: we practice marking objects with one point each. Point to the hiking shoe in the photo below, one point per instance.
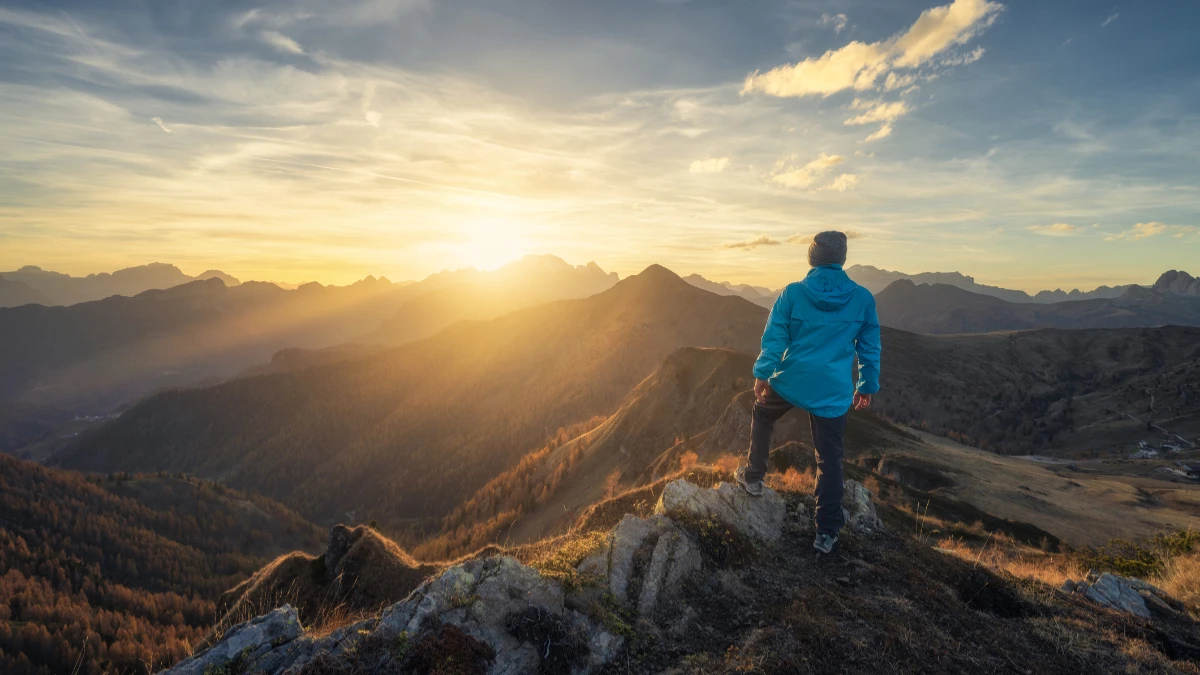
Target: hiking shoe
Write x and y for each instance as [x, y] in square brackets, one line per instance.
[754, 489]
[824, 542]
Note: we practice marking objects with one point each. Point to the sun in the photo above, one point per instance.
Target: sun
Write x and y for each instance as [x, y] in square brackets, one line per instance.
[491, 244]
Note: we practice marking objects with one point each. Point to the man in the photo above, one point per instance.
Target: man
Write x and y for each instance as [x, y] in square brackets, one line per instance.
[813, 333]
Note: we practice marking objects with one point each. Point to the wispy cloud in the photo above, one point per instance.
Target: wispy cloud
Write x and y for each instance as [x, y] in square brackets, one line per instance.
[883, 132]
[964, 59]
[281, 42]
[750, 244]
[712, 165]
[859, 65]
[1138, 232]
[876, 111]
[843, 182]
[162, 125]
[789, 175]
[806, 239]
[1055, 229]
[1111, 18]
[838, 21]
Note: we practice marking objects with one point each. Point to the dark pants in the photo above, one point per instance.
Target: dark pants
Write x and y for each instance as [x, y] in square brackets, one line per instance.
[827, 435]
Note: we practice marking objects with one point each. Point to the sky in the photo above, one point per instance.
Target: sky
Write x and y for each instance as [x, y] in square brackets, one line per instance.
[1029, 144]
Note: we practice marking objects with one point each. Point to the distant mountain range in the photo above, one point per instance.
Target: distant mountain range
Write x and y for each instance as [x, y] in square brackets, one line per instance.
[759, 295]
[449, 297]
[93, 356]
[411, 431]
[32, 284]
[943, 308]
[876, 280]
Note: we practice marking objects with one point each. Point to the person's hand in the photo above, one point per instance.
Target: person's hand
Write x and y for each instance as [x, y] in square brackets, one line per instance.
[761, 389]
[862, 401]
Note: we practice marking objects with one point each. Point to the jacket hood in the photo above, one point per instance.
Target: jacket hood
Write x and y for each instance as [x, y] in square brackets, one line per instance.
[828, 287]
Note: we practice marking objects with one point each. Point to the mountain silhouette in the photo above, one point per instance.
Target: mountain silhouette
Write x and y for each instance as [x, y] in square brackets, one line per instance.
[470, 294]
[409, 432]
[876, 280]
[944, 309]
[55, 288]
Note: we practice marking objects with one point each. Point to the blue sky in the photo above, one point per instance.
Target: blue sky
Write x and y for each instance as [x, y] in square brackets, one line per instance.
[1030, 144]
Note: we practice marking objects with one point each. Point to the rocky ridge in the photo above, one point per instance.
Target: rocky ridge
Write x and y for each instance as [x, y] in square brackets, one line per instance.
[517, 619]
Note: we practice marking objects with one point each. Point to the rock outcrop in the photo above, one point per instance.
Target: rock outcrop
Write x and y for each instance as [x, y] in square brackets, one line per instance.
[760, 518]
[512, 619]
[521, 620]
[859, 508]
[252, 640]
[1123, 594]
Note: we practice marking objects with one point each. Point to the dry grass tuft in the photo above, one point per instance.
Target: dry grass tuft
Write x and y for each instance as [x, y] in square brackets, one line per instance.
[792, 481]
[1181, 579]
[1020, 561]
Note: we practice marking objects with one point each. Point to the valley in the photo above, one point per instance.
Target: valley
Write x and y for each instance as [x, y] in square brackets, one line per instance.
[513, 432]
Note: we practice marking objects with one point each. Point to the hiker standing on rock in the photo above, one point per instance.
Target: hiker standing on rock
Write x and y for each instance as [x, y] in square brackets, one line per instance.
[815, 328]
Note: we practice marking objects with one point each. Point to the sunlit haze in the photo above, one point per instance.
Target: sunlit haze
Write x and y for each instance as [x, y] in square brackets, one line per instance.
[1029, 144]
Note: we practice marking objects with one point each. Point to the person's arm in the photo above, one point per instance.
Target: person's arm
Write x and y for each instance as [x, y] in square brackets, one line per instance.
[775, 340]
[868, 346]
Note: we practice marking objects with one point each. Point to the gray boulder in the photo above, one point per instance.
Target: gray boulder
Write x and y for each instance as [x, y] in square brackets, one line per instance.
[859, 508]
[246, 642]
[628, 537]
[672, 557]
[1118, 593]
[760, 518]
[481, 596]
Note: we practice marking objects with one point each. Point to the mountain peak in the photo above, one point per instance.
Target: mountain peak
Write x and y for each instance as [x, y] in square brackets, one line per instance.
[1178, 282]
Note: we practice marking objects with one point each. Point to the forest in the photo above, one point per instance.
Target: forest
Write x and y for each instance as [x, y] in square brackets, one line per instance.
[119, 573]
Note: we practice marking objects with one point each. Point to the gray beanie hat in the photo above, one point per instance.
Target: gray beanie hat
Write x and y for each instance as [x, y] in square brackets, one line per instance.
[827, 248]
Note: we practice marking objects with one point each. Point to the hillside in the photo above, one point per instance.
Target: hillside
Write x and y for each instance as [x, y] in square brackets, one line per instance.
[15, 293]
[125, 568]
[713, 581]
[945, 309]
[93, 356]
[411, 432]
[1073, 393]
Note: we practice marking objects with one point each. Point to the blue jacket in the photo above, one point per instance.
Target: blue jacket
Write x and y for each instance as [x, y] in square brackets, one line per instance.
[810, 340]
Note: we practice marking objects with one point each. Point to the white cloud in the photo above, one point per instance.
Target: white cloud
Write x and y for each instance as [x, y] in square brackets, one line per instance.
[1138, 232]
[838, 21]
[843, 182]
[894, 81]
[1054, 230]
[281, 42]
[789, 175]
[162, 125]
[883, 132]
[714, 165]
[1111, 18]
[859, 65]
[942, 27]
[876, 111]
[750, 244]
